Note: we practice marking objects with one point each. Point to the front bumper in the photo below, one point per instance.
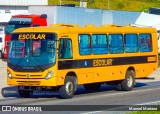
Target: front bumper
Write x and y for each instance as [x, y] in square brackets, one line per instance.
[32, 82]
[34, 79]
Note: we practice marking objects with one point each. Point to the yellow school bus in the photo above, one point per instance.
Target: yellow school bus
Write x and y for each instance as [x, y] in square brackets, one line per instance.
[64, 56]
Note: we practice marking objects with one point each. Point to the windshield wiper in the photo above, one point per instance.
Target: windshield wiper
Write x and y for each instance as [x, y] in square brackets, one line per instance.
[37, 64]
[35, 61]
[17, 62]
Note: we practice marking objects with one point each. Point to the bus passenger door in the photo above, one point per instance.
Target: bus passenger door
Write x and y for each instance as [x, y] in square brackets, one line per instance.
[65, 59]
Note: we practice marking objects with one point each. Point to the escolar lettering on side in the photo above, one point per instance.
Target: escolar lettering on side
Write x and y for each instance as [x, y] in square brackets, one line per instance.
[31, 36]
[102, 62]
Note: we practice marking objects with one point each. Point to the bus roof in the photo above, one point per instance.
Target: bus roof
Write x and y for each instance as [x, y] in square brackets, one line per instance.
[87, 29]
[26, 16]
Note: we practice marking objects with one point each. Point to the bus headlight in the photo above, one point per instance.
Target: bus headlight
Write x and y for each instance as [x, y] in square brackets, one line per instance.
[49, 75]
[9, 74]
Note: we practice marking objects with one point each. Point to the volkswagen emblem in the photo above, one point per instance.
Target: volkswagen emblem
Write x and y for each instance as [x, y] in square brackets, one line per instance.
[27, 75]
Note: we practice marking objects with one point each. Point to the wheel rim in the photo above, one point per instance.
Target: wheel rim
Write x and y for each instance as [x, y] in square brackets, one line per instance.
[129, 81]
[69, 88]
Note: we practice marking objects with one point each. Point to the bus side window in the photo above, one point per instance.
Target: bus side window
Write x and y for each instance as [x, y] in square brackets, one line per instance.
[99, 44]
[116, 43]
[145, 42]
[84, 44]
[131, 43]
[65, 51]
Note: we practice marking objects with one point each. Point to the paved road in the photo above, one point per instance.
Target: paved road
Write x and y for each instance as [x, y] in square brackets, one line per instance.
[143, 94]
[107, 95]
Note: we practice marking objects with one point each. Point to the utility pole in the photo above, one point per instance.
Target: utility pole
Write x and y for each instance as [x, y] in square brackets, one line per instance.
[109, 4]
[60, 2]
[81, 2]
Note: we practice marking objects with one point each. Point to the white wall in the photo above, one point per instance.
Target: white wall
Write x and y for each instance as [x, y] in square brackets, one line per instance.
[23, 2]
[5, 17]
[7, 12]
[49, 10]
[13, 10]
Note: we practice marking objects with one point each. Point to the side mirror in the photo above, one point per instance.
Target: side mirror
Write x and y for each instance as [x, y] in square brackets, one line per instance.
[58, 44]
[43, 16]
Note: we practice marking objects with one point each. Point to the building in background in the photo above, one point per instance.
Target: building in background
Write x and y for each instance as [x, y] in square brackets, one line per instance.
[84, 16]
[155, 11]
[14, 7]
[121, 18]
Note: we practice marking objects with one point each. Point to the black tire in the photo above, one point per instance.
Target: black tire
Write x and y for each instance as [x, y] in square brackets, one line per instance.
[112, 82]
[67, 90]
[128, 83]
[119, 86]
[25, 94]
[93, 86]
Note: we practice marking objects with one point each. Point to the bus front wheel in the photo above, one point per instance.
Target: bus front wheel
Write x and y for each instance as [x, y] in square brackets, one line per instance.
[128, 83]
[67, 90]
[93, 86]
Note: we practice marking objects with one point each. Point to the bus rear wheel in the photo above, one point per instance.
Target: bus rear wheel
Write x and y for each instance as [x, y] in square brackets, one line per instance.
[93, 86]
[128, 83]
[67, 90]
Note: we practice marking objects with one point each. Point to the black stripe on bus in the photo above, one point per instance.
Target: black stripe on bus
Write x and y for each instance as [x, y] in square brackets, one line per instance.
[103, 62]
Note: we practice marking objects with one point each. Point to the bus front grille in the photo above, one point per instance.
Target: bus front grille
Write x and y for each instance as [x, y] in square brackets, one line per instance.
[28, 76]
[28, 82]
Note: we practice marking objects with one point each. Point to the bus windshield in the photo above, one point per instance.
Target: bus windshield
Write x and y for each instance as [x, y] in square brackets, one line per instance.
[32, 49]
[16, 23]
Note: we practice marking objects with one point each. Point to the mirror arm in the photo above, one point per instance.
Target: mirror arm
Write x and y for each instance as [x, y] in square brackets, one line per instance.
[58, 45]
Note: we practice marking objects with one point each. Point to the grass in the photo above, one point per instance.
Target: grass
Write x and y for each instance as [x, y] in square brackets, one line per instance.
[145, 112]
[129, 5]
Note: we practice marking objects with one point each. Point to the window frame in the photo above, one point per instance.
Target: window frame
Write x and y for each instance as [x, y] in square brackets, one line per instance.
[60, 48]
[90, 44]
[138, 46]
[122, 42]
[140, 43]
[107, 45]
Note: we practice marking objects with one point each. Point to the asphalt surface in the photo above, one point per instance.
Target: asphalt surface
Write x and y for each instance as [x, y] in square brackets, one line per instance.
[106, 99]
[107, 95]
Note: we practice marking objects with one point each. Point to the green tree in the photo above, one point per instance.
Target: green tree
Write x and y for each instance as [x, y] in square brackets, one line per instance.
[144, 8]
[120, 5]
